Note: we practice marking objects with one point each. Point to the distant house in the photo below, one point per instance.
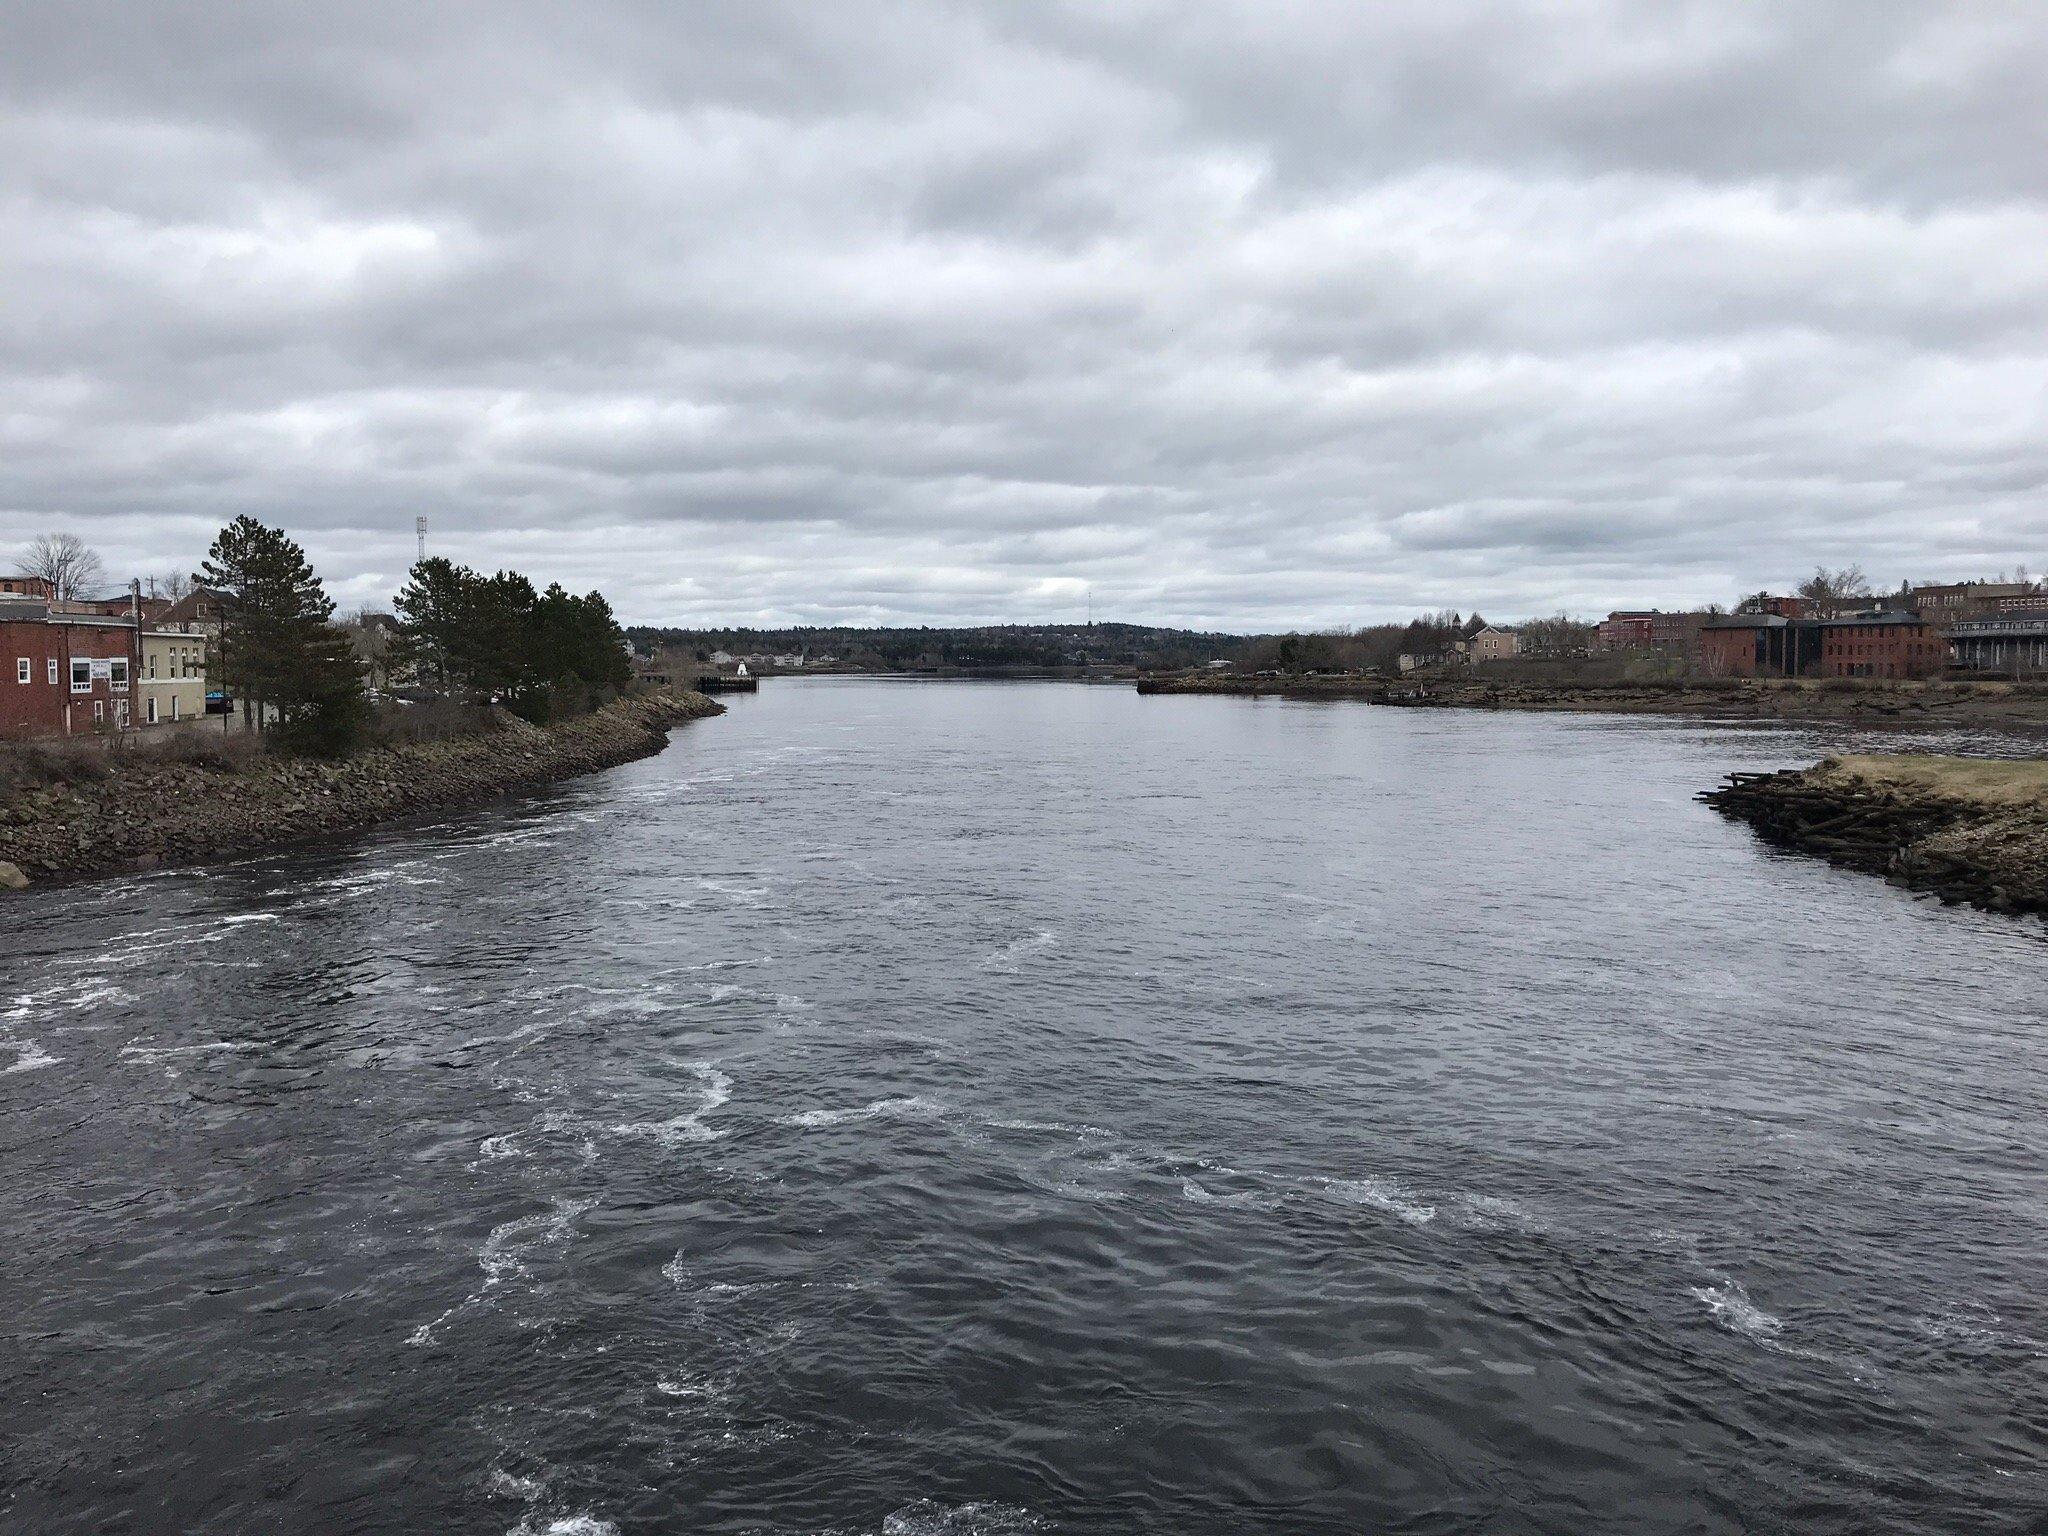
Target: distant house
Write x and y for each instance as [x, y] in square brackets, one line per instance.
[377, 638]
[1494, 643]
[197, 612]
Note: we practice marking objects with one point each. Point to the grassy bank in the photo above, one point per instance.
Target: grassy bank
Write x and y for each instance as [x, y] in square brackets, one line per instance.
[1964, 829]
[71, 811]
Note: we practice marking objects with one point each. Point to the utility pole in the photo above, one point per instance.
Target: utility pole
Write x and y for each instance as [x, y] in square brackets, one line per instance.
[419, 526]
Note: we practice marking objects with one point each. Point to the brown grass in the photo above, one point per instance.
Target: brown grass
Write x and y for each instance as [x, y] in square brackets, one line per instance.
[1983, 781]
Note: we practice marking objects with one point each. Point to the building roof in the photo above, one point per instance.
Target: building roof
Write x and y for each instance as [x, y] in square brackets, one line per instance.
[27, 610]
[1866, 620]
[186, 608]
[1992, 629]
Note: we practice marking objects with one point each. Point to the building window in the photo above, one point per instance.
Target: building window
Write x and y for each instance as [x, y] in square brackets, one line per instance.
[152, 666]
[174, 707]
[81, 676]
[121, 712]
[99, 711]
[23, 671]
[117, 674]
[53, 671]
[149, 710]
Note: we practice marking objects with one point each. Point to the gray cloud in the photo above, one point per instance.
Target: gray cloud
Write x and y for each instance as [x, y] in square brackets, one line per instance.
[1242, 314]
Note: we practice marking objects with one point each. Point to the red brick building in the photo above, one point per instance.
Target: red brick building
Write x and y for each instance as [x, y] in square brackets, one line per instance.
[1895, 645]
[1624, 630]
[65, 674]
[1759, 645]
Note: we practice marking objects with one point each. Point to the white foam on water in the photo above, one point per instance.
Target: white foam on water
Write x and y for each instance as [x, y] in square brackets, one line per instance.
[1009, 958]
[928, 1518]
[1381, 1195]
[1732, 1309]
[726, 965]
[32, 1058]
[714, 1090]
[1195, 1192]
[881, 1109]
[707, 1391]
[1062, 1127]
[109, 994]
[749, 896]
[523, 1032]
[509, 1485]
[1492, 1213]
[1976, 1326]
[159, 1052]
[493, 1148]
[503, 1255]
[565, 1525]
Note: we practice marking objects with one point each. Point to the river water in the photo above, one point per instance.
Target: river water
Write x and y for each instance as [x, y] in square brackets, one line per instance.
[934, 1109]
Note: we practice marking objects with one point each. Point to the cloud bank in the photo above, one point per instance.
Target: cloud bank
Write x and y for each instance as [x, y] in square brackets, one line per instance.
[1241, 314]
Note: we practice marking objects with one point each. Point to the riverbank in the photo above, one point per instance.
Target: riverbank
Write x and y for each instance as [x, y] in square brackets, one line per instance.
[1965, 829]
[1991, 706]
[146, 812]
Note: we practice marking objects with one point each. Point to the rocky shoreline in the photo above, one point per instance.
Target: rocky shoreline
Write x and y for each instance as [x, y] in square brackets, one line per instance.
[145, 814]
[1964, 829]
[1991, 706]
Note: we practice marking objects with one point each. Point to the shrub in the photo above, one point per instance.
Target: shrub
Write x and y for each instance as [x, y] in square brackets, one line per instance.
[34, 764]
[396, 724]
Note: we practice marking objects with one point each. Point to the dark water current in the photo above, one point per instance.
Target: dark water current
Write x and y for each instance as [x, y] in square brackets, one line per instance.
[934, 1109]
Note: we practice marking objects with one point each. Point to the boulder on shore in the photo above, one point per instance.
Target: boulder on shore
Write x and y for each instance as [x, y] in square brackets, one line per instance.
[11, 877]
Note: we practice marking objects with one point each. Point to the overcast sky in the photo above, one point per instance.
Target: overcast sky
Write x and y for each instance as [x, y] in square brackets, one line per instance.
[1247, 313]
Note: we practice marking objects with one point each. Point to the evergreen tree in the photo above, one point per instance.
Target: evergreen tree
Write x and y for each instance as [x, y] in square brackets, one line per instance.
[540, 654]
[433, 607]
[279, 649]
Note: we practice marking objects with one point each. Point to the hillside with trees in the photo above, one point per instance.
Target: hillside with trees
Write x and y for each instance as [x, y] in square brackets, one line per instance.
[1051, 647]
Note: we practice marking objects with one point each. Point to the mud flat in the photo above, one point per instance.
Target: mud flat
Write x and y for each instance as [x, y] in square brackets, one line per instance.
[1965, 829]
[2016, 707]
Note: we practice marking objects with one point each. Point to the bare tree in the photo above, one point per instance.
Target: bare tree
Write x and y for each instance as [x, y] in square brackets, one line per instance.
[173, 585]
[1849, 581]
[66, 562]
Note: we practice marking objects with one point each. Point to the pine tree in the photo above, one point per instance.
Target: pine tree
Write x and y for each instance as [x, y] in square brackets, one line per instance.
[280, 650]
